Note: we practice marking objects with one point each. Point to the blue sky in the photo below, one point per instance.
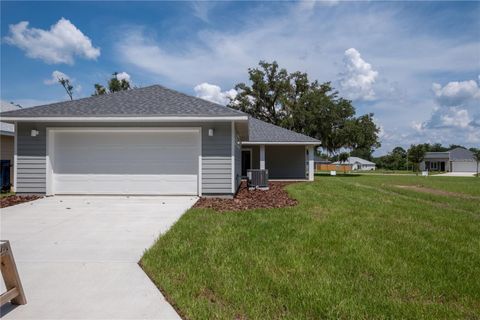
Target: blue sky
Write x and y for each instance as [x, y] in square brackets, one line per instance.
[415, 65]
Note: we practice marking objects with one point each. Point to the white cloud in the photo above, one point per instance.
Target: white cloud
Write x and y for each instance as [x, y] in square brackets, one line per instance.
[455, 117]
[401, 90]
[214, 93]
[456, 92]
[457, 105]
[418, 126]
[358, 78]
[309, 5]
[60, 44]
[56, 75]
[297, 42]
[123, 76]
[201, 9]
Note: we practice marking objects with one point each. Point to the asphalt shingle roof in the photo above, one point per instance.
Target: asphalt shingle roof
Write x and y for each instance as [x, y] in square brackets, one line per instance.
[261, 131]
[152, 101]
[452, 155]
[353, 160]
[461, 154]
[156, 101]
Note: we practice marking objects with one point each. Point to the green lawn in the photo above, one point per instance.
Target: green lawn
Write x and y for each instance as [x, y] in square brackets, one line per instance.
[355, 247]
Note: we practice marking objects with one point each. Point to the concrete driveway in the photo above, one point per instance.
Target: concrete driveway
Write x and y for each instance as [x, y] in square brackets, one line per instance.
[77, 256]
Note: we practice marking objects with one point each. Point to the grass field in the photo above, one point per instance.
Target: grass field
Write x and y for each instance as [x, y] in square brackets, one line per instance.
[356, 247]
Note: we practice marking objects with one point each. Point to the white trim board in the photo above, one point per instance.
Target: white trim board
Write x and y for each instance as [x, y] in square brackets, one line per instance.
[232, 133]
[15, 157]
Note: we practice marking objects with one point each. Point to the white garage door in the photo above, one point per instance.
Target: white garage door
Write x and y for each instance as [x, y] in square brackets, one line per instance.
[124, 161]
[464, 166]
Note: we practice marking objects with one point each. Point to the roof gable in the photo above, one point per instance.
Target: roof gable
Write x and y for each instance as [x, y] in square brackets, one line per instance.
[359, 160]
[353, 160]
[461, 154]
[152, 101]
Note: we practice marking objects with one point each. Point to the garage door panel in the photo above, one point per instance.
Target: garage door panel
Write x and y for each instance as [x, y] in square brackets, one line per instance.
[126, 184]
[134, 166]
[135, 162]
[464, 166]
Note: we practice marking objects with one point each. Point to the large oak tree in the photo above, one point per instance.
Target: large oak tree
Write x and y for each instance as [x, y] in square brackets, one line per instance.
[292, 101]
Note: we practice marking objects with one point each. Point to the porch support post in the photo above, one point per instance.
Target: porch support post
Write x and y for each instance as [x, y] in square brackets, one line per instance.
[311, 169]
[262, 157]
[15, 157]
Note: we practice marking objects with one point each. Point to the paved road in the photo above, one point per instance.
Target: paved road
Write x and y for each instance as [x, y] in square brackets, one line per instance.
[77, 256]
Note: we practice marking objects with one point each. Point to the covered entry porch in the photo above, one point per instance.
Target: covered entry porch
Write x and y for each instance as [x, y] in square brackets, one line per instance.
[437, 165]
[283, 161]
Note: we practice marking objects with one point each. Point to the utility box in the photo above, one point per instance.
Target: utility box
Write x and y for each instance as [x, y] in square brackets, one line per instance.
[257, 179]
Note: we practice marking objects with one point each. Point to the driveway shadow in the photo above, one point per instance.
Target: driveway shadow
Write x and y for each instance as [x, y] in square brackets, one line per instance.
[7, 308]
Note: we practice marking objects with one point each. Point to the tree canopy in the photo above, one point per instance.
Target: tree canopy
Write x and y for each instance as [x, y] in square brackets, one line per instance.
[114, 85]
[416, 154]
[292, 101]
[394, 160]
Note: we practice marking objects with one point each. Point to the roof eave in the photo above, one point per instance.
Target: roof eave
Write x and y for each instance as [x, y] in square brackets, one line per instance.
[125, 119]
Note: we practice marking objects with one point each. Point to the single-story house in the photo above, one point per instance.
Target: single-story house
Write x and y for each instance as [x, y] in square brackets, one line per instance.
[358, 163]
[455, 160]
[7, 136]
[149, 140]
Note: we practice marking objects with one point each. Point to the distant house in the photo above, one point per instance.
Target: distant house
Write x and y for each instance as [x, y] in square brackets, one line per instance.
[358, 163]
[7, 135]
[455, 160]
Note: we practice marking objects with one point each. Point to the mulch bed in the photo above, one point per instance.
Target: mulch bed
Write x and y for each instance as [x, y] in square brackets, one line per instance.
[275, 197]
[13, 200]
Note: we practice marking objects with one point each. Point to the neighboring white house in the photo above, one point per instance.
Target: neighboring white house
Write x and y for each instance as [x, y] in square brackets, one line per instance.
[358, 163]
[455, 160]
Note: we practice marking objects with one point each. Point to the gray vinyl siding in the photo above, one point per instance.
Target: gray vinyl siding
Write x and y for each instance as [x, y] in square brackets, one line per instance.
[217, 161]
[216, 154]
[31, 164]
